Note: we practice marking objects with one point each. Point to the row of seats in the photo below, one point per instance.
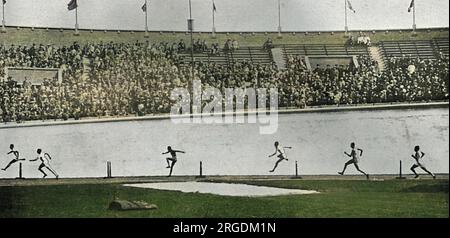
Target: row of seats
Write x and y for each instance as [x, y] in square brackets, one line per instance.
[441, 45]
[255, 55]
[319, 49]
[262, 56]
[424, 49]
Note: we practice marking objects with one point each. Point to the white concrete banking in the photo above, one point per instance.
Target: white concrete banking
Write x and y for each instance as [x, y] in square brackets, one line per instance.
[223, 189]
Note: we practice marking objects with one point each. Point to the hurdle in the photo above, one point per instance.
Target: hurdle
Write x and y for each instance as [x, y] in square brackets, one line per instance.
[108, 169]
[400, 175]
[296, 171]
[20, 171]
[201, 171]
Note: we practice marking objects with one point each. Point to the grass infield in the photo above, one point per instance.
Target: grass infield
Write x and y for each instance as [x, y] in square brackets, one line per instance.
[337, 199]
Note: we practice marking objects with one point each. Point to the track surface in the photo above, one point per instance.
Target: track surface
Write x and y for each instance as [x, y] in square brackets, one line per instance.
[120, 180]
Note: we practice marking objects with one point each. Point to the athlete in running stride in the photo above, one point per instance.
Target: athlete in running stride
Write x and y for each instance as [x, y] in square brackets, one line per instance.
[417, 156]
[16, 155]
[281, 154]
[354, 155]
[173, 159]
[45, 163]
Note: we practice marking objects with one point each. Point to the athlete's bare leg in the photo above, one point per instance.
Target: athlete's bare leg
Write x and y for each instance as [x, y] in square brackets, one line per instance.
[345, 166]
[430, 173]
[9, 164]
[169, 160]
[171, 168]
[53, 171]
[414, 171]
[276, 164]
[42, 171]
[357, 168]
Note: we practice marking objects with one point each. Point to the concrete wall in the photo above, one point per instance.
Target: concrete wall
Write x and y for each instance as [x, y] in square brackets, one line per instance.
[319, 140]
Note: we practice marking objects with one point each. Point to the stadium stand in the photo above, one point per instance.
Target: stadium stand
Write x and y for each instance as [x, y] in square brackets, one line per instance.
[135, 78]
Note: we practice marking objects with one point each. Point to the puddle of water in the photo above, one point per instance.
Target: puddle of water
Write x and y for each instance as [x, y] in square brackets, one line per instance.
[223, 189]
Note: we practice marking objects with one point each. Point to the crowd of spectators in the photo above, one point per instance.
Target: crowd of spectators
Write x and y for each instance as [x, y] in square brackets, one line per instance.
[98, 80]
[198, 46]
[215, 49]
[362, 40]
[134, 79]
[231, 45]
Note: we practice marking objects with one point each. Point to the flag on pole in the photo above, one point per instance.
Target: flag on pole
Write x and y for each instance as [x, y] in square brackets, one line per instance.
[144, 7]
[72, 5]
[411, 5]
[214, 7]
[351, 7]
[4, 2]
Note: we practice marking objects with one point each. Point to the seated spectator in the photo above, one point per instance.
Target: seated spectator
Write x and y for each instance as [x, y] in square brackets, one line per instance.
[364, 40]
[268, 44]
[204, 46]
[215, 49]
[228, 45]
[350, 42]
[181, 46]
[234, 45]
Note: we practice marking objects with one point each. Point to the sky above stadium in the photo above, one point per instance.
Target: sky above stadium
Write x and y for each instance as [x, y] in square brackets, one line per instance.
[231, 15]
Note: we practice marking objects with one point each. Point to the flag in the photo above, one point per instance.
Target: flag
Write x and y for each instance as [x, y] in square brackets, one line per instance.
[411, 5]
[144, 7]
[4, 2]
[72, 5]
[351, 7]
[214, 7]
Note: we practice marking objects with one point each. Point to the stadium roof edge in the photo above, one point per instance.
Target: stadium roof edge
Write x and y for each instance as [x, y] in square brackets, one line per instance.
[231, 32]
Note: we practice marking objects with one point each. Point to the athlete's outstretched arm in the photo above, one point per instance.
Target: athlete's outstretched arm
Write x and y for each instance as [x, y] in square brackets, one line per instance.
[10, 152]
[165, 153]
[274, 153]
[360, 152]
[287, 147]
[49, 157]
[34, 159]
[179, 151]
[349, 155]
[423, 154]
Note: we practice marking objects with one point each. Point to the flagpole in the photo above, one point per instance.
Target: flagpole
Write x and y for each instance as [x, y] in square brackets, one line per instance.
[414, 17]
[346, 21]
[3, 18]
[192, 38]
[146, 19]
[279, 19]
[76, 20]
[213, 21]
